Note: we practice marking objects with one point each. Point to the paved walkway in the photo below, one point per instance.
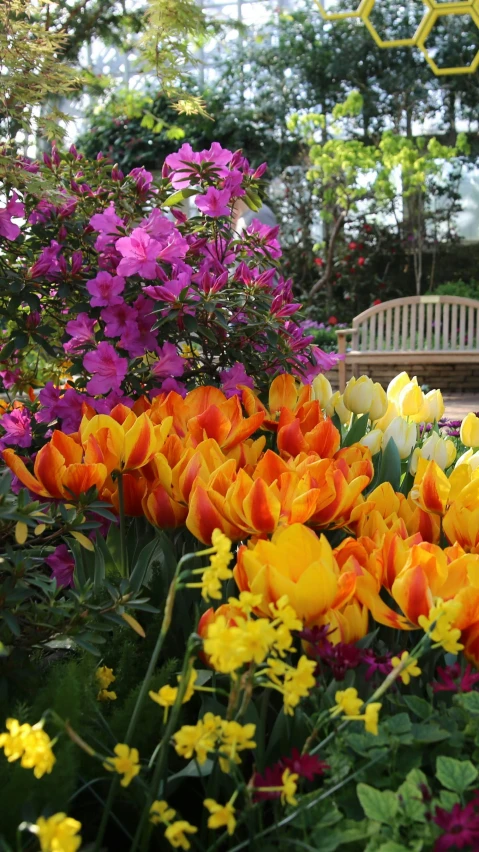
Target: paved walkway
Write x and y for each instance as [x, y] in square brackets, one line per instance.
[458, 404]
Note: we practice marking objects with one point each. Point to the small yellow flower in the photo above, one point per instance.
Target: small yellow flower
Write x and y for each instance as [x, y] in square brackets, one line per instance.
[105, 677]
[443, 613]
[221, 815]
[177, 831]
[106, 695]
[347, 702]
[234, 738]
[59, 833]
[371, 717]
[285, 613]
[217, 571]
[246, 602]
[126, 763]
[160, 811]
[297, 682]
[166, 695]
[411, 670]
[199, 739]
[289, 781]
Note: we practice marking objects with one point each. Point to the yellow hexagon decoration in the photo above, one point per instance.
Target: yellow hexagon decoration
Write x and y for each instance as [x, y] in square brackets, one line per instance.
[435, 9]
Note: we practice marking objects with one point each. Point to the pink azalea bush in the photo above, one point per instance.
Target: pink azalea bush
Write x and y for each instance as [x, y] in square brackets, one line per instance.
[125, 295]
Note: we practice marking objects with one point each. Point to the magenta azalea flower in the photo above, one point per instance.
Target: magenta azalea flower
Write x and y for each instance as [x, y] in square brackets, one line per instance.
[14, 208]
[117, 318]
[107, 367]
[139, 253]
[232, 378]
[214, 202]
[158, 225]
[142, 178]
[62, 564]
[170, 385]
[169, 363]
[106, 222]
[18, 428]
[105, 290]
[49, 397]
[266, 237]
[81, 332]
[184, 164]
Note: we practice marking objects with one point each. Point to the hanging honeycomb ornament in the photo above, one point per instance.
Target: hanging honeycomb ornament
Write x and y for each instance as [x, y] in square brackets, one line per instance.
[434, 11]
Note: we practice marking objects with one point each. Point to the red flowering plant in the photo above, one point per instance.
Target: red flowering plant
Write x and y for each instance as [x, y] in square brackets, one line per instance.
[122, 294]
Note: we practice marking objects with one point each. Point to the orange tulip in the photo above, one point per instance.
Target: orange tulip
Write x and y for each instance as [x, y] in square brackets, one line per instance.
[124, 442]
[284, 392]
[307, 430]
[298, 564]
[58, 471]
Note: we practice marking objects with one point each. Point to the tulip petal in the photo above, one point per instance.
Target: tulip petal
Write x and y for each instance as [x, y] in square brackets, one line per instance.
[18, 467]
[78, 478]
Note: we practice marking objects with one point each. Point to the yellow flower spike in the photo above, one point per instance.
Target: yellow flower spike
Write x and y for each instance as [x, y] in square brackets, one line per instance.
[286, 614]
[58, 833]
[126, 763]
[470, 431]
[176, 834]
[411, 670]
[221, 816]
[199, 739]
[293, 683]
[160, 812]
[371, 717]
[166, 695]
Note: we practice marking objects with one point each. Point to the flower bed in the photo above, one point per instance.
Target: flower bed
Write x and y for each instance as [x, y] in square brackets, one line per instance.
[232, 617]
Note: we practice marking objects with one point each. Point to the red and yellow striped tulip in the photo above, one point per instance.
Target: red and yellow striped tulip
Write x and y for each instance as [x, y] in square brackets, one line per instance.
[284, 392]
[307, 431]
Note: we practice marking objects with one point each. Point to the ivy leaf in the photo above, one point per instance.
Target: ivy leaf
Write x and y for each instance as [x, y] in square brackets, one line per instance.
[456, 775]
[379, 805]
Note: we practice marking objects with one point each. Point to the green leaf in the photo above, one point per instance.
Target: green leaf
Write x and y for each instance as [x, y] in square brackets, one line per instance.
[429, 732]
[447, 799]
[419, 706]
[379, 805]
[456, 775]
[143, 563]
[357, 431]
[412, 804]
[468, 701]
[99, 570]
[179, 196]
[390, 466]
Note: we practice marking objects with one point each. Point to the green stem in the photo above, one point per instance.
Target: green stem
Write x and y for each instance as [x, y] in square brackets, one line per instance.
[123, 551]
[170, 600]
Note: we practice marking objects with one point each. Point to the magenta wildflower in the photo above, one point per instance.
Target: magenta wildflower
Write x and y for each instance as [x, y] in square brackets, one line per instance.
[18, 428]
[62, 564]
[158, 225]
[169, 363]
[13, 208]
[106, 222]
[232, 379]
[460, 827]
[49, 397]
[452, 680]
[305, 765]
[105, 290]
[47, 263]
[108, 369]
[376, 663]
[139, 253]
[214, 202]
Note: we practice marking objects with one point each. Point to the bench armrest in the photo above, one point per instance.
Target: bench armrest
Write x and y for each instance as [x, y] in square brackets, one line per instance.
[341, 334]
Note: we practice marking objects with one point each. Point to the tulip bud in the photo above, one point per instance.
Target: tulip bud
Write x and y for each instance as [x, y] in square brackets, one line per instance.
[358, 395]
[396, 385]
[373, 440]
[434, 406]
[470, 430]
[410, 399]
[379, 405]
[438, 449]
[404, 435]
[414, 460]
[469, 457]
[335, 405]
[322, 390]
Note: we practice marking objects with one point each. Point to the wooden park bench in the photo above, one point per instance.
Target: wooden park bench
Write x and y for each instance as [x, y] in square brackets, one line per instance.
[430, 329]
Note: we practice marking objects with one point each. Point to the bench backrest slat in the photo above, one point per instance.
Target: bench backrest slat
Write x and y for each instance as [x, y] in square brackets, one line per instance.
[418, 324]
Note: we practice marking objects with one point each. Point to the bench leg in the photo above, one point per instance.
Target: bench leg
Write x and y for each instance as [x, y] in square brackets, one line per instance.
[342, 376]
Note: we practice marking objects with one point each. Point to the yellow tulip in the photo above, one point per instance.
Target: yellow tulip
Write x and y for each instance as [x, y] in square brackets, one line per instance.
[358, 394]
[396, 385]
[322, 390]
[379, 405]
[410, 400]
[388, 417]
[335, 405]
[373, 440]
[404, 435]
[432, 409]
[440, 450]
[461, 521]
[469, 457]
[470, 430]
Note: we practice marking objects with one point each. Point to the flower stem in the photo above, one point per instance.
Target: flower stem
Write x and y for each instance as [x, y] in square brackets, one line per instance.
[123, 550]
